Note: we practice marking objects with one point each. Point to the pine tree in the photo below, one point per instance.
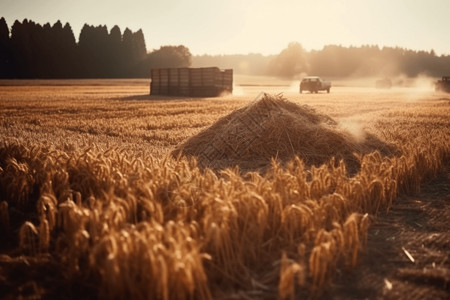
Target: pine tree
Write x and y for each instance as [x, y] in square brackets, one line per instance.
[5, 50]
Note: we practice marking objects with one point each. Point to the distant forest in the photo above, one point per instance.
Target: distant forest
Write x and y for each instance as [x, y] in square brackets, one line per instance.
[31, 50]
[334, 61]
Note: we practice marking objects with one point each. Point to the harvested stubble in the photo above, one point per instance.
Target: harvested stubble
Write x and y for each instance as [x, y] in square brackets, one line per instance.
[271, 127]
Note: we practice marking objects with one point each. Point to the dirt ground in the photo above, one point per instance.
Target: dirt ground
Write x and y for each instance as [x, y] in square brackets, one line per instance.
[408, 250]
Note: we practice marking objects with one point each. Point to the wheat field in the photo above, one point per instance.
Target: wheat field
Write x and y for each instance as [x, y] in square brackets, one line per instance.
[104, 193]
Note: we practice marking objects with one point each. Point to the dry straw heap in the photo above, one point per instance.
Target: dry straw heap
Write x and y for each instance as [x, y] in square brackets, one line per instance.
[271, 127]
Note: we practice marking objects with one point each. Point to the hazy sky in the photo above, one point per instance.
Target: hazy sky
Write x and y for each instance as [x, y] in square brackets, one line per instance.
[256, 26]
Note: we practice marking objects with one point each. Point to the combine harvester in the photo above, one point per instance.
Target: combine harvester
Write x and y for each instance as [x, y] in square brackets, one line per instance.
[443, 85]
[193, 82]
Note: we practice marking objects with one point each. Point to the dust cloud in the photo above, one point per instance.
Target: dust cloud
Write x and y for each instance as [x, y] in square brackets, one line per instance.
[294, 87]
[354, 127]
[238, 90]
[419, 83]
[422, 83]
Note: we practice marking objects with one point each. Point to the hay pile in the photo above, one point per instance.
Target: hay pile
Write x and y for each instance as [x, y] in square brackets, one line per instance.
[272, 127]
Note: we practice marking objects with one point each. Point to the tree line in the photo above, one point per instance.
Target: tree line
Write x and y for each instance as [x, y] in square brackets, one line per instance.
[364, 61]
[31, 50]
[335, 61]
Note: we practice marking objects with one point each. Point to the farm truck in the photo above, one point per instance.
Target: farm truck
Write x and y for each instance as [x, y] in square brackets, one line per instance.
[313, 84]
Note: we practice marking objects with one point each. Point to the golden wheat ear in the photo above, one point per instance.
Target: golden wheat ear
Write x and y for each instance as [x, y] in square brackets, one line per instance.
[28, 238]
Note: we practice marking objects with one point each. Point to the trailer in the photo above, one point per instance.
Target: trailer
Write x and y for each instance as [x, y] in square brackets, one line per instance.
[193, 82]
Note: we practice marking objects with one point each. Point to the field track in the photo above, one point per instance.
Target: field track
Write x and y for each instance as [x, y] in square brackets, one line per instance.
[417, 224]
[90, 196]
